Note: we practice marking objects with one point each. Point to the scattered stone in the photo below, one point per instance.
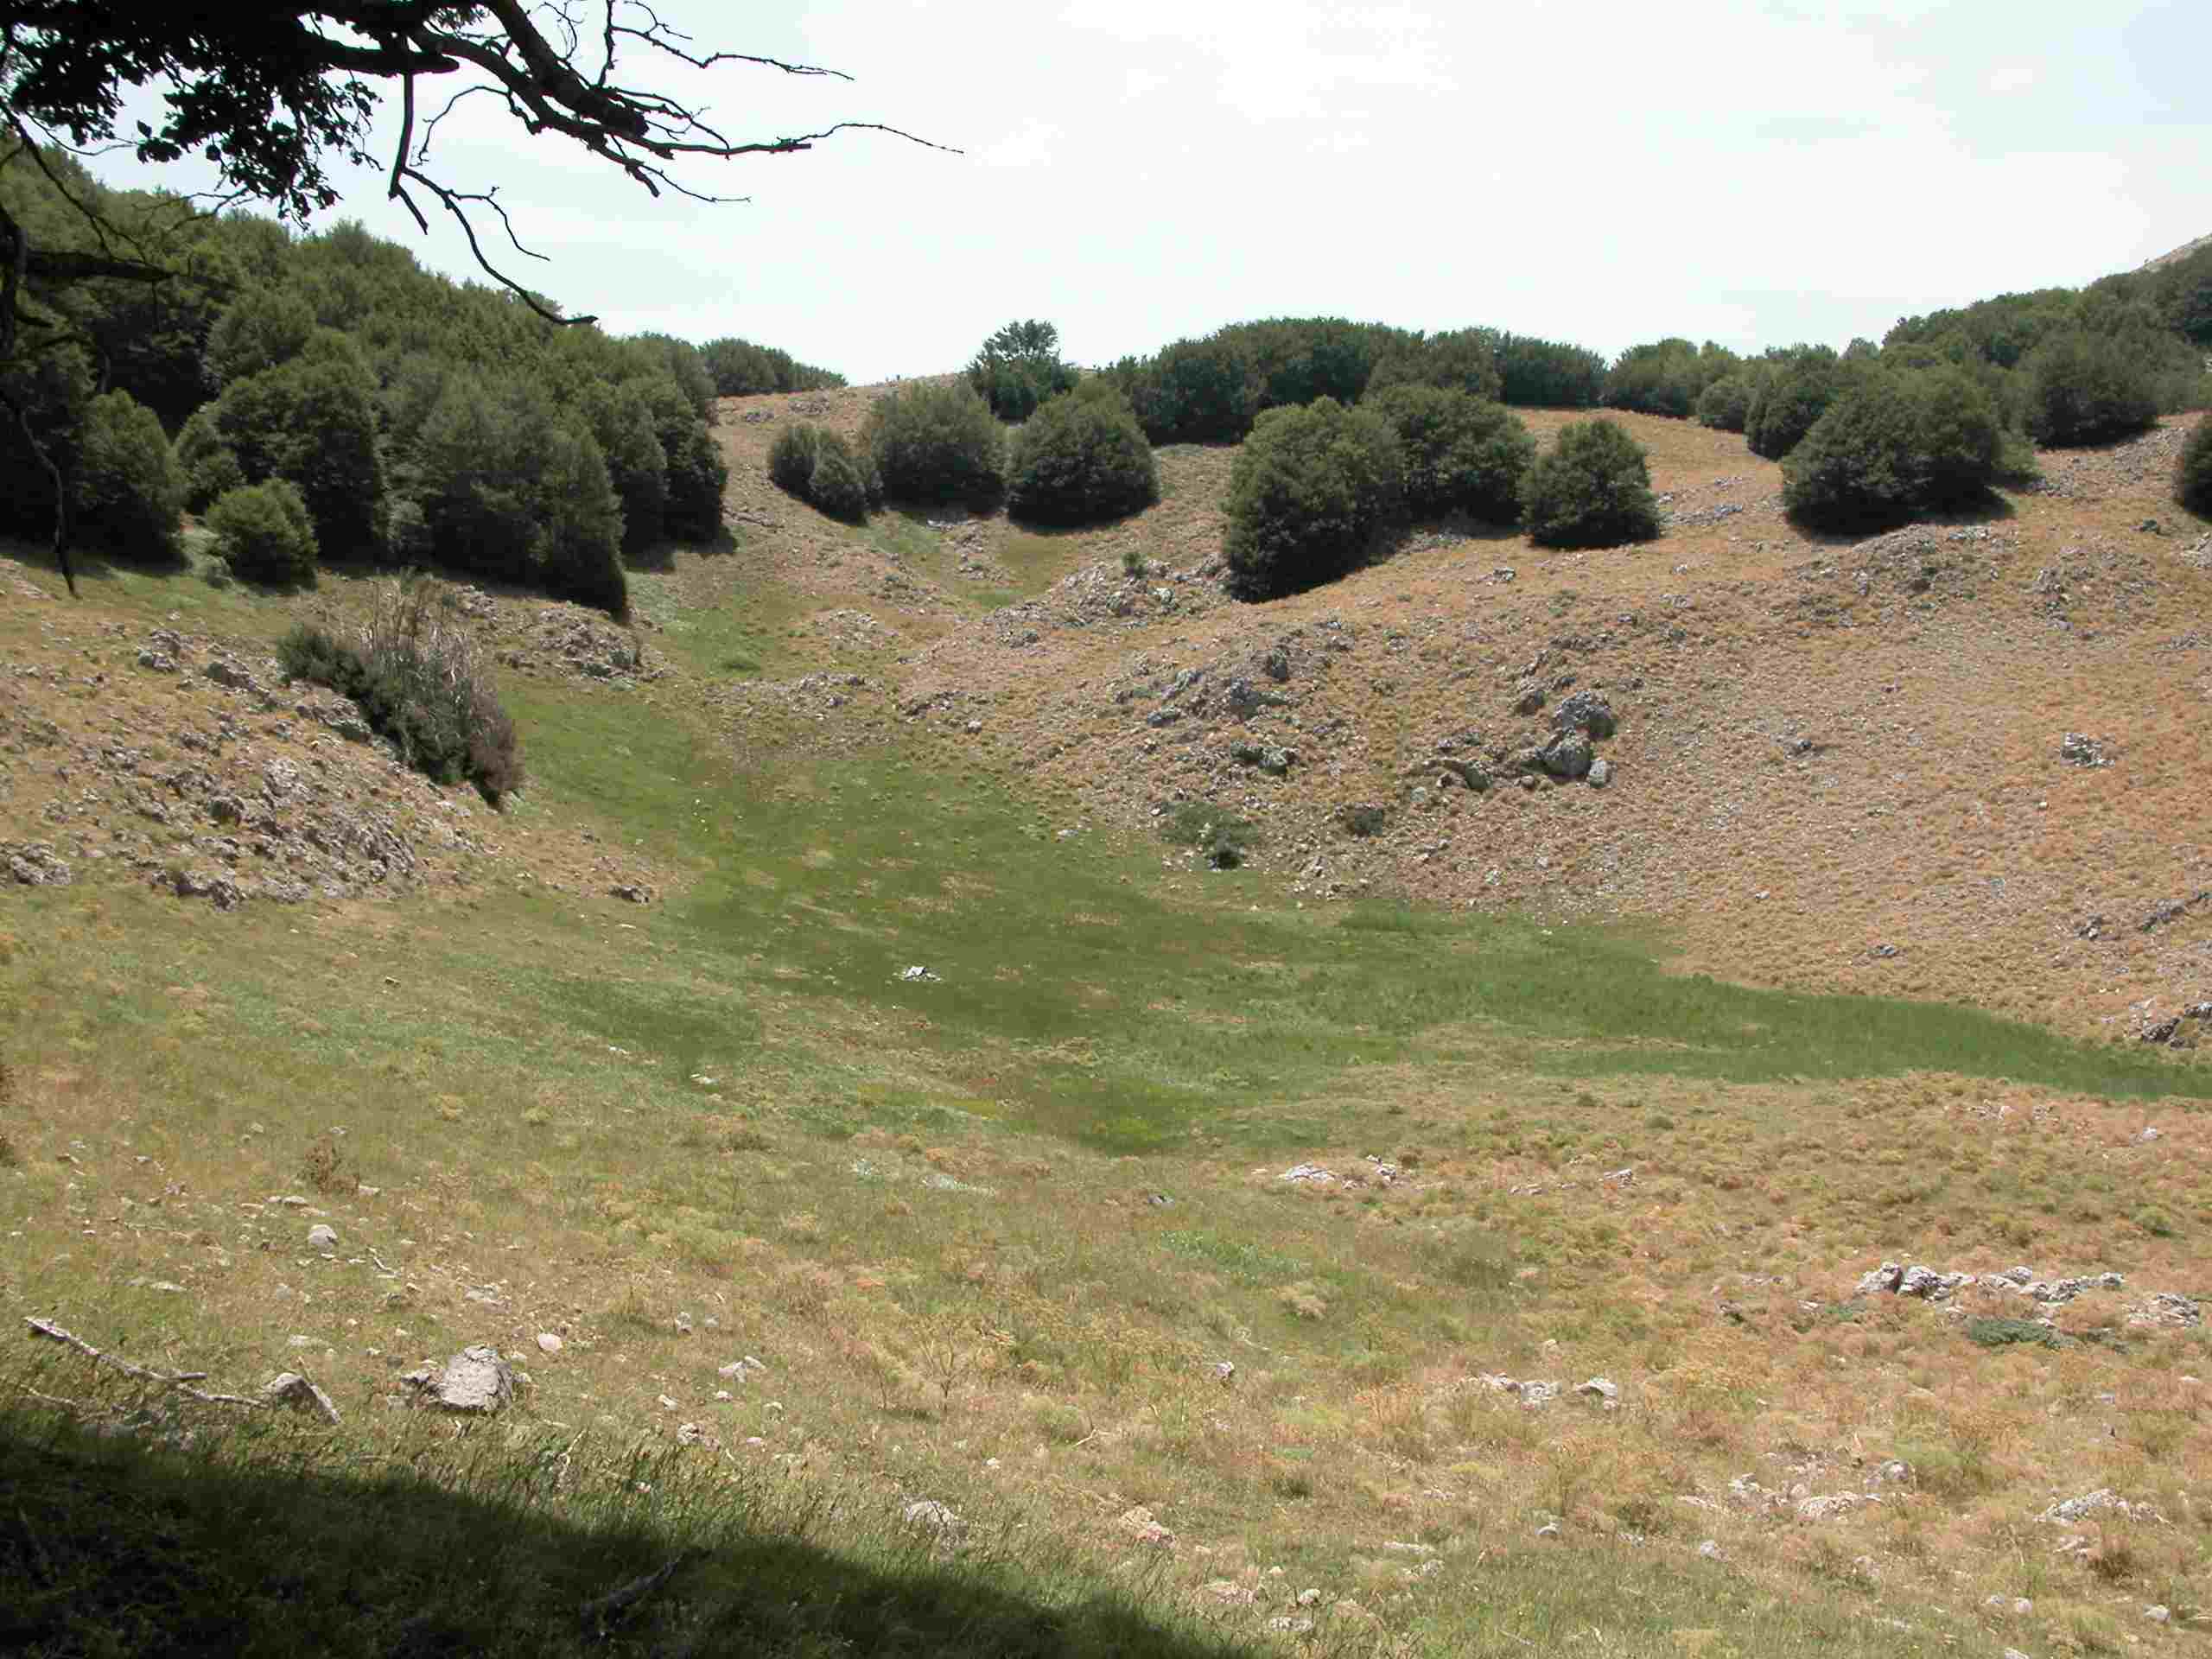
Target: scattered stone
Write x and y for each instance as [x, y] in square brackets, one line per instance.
[1307, 1174]
[1549, 1529]
[1138, 1523]
[159, 661]
[1601, 773]
[1392, 1547]
[1286, 1625]
[322, 1236]
[2070, 1511]
[290, 1389]
[1362, 818]
[2168, 1309]
[1308, 1597]
[1826, 1508]
[2079, 749]
[2149, 1134]
[635, 892]
[548, 1343]
[931, 1516]
[1710, 1549]
[1230, 1591]
[917, 974]
[225, 672]
[1588, 712]
[34, 864]
[474, 1381]
[1602, 1390]
[1528, 698]
[2157, 1615]
[1567, 755]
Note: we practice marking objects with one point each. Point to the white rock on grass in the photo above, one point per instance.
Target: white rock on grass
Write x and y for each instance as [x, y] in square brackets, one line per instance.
[475, 1381]
[290, 1389]
[548, 1343]
[322, 1236]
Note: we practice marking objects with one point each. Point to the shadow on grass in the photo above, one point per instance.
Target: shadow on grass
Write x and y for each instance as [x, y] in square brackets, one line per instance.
[1846, 530]
[276, 1543]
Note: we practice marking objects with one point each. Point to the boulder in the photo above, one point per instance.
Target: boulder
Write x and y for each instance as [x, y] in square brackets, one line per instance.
[475, 1381]
[1587, 712]
[1567, 755]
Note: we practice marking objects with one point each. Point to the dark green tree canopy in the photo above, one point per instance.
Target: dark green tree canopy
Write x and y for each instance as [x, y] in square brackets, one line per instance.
[278, 96]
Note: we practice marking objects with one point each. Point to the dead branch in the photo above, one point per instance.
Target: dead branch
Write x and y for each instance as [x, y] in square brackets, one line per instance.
[597, 1613]
[177, 1380]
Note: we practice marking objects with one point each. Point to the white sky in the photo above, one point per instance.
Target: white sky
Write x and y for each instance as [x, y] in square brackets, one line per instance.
[1604, 172]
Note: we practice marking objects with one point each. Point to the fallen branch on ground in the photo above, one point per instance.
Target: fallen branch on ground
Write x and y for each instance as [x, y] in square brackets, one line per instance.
[180, 1381]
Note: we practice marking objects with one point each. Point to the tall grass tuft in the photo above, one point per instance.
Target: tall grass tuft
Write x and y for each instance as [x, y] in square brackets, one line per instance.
[421, 680]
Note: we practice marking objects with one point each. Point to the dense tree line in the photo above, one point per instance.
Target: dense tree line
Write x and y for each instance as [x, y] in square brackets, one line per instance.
[414, 419]
[1213, 390]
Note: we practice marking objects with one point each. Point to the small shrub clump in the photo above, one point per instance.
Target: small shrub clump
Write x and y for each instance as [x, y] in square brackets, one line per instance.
[263, 532]
[1592, 488]
[1307, 493]
[1460, 452]
[1223, 836]
[1897, 443]
[2193, 471]
[418, 673]
[1082, 459]
[2084, 388]
[819, 467]
[937, 443]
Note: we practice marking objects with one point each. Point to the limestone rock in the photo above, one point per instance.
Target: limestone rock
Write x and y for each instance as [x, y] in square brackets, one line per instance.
[322, 1236]
[1587, 712]
[290, 1389]
[475, 1381]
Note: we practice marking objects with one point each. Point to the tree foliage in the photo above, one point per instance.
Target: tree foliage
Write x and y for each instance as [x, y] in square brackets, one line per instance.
[819, 467]
[262, 531]
[279, 99]
[2193, 470]
[2083, 388]
[1018, 367]
[937, 443]
[129, 488]
[1896, 443]
[1591, 488]
[1457, 452]
[1082, 460]
[1306, 494]
[1666, 376]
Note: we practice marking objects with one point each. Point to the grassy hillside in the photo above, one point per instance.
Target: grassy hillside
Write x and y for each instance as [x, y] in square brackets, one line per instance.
[1014, 1236]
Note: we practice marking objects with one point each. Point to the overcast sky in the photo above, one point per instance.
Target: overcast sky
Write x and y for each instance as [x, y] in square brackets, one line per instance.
[1604, 172]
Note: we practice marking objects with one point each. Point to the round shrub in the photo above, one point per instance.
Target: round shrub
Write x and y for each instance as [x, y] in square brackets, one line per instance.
[210, 465]
[264, 533]
[1082, 460]
[937, 443]
[128, 489]
[1777, 422]
[313, 422]
[821, 468]
[2193, 471]
[1724, 404]
[1308, 493]
[1591, 488]
[1896, 443]
[1460, 452]
[2083, 388]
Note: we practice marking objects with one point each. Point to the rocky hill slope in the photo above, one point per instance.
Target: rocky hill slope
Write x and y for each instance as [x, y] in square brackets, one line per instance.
[1961, 759]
